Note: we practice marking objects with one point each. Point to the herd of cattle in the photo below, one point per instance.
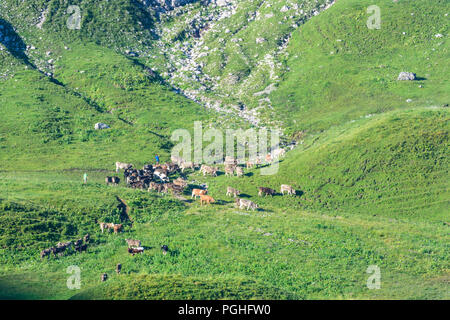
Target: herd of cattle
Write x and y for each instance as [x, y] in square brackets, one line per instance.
[79, 245]
[156, 178]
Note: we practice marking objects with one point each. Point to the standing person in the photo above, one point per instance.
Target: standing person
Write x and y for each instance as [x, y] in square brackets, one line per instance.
[157, 159]
[85, 178]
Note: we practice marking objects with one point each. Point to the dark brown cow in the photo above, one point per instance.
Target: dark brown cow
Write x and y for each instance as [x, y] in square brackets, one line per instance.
[266, 191]
[133, 251]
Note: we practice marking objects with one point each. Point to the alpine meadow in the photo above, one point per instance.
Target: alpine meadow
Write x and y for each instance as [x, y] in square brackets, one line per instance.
[347, 99]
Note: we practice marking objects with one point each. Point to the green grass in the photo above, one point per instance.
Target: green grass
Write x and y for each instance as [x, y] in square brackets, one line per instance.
[340, 70]
[43, 118]
[371, 170]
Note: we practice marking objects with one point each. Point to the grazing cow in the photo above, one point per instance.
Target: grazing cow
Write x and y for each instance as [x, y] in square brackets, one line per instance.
[155, 186]
[287, 188]
[108, 180]
[229, 169]
[78, 243]
[64, 244]
[138, 185]
[187, 165]
[81, 248]
[133, 251]
[45, 253]
[209, 170]
[152, 186]
[103, 226]
[162, 175]
[164, 249]
[206, 199]
[58, 250]
[176, 159]
[118, 268]
[198, 193]
[173, 167]
[148, 168]
[133, 243]
[278, 153]
[131, 180]
[268, 158]
[86, 238]
[243, 203]
[266, 191]
[106, 226]
[121, 165]
[173, 188]
[180, 182]
[239, 171]
[230, 161]
[117, 228]
[112, 180]
[232, 191]
[104, 277]
[258, 162]
[250, 164]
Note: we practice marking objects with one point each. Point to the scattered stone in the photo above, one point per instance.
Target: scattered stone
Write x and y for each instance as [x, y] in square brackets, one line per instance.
[101, 126]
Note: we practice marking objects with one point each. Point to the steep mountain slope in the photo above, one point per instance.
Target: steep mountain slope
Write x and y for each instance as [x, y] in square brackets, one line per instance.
[340, 70]
[44, 120]
[227, 55]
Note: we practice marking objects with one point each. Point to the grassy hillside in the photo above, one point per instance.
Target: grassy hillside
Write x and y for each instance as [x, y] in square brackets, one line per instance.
[340, 70]
[43, 118]
[303, 253]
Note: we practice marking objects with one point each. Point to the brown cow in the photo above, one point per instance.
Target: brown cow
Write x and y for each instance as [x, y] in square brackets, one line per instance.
[239, 171]
[106, 226]
[288, 189]
[232, 191]
[198, 193]
[45, 253]
[266, 191]
[133, 251]
[206, 199]
[229, 169]
[117, 228]
[180, 182]
[209, 170]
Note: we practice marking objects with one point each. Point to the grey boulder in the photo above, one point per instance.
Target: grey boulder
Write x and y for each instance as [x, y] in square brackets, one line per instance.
[406, 76]
[101, 126]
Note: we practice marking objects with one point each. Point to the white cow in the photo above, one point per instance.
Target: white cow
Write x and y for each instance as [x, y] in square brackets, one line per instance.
[278, 153]
[121, 165]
